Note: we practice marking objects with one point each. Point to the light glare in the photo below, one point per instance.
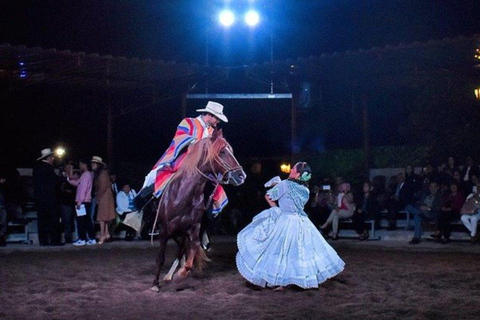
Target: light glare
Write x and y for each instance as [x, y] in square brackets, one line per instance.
[60, 152]
[252, 18]
[285, 168]
[226, 18]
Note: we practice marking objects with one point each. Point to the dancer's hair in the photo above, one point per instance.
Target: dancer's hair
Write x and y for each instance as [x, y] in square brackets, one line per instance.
[305, 173]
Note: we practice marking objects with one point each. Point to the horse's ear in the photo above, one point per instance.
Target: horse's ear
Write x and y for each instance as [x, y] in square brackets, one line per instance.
[217, 134]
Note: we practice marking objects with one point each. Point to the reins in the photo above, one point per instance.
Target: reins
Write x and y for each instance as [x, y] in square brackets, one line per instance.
[215, 180]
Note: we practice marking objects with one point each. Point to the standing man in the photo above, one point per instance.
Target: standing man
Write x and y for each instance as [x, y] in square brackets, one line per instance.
[189, 131]
[46, 185]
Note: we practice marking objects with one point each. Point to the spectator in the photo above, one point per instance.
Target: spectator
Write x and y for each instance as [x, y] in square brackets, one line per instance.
[469, 170]
[344, 208]
[67, 206]
[366, 208]
[83, 203]
[427, 208]
[113, 180]
[46, 185]
[313, 209]
[104, 195]
[457, 177]
[451, 166]
[428, 174]
[128, 213]
[400, 197]
[12, 192]
[470, 214]
[449, 211]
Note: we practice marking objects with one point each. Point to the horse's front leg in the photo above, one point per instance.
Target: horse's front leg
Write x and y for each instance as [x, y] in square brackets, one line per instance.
[192, 245]
[160, 259]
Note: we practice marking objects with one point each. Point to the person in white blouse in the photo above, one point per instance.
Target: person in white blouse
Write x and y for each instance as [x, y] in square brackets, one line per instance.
[128, 212]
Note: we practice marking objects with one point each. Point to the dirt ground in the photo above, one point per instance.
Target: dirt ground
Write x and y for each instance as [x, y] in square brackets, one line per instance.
[113, 281]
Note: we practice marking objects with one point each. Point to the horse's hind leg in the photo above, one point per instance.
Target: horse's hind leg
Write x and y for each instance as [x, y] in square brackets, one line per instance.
[180, 256]
[160, 260]
[192, 245]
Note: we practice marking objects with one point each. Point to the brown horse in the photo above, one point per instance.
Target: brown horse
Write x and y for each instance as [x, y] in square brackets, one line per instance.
[182, 204]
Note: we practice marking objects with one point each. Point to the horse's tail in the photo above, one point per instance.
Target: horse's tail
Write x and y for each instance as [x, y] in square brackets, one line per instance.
[201, 259]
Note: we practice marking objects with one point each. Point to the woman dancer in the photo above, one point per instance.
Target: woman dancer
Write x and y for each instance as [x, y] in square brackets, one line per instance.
[281, 246]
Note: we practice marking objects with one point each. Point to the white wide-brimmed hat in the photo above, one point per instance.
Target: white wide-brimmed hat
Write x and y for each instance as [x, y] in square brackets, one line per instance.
[216, 109]
[97, 159]
[45, 153]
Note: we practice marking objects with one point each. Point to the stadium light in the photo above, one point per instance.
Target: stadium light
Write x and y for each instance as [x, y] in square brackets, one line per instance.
[226, 18]
[252, 18]
[60, 152]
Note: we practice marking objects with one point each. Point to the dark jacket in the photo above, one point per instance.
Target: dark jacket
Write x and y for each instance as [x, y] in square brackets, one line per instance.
[45, 183]
[369, 206]
[437, 202]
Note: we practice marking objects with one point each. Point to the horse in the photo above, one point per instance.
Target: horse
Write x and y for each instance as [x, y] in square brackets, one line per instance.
[182, 204]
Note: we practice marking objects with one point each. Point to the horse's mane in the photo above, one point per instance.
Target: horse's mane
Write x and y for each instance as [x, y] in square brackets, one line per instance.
[201, 153]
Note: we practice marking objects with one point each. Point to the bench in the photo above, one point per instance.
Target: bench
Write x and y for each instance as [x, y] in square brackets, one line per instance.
[371, 224]
[19, 231]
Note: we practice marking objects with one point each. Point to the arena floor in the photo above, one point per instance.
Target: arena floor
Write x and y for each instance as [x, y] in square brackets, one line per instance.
[382, 280]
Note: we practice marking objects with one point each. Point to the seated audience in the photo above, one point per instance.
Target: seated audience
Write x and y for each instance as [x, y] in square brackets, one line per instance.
[449, 211]
[366, 208]
[128, 215]
[470, 214]
[427, 208]
[344, 208]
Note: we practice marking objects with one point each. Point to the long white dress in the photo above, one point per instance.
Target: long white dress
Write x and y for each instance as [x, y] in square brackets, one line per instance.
[281, 246]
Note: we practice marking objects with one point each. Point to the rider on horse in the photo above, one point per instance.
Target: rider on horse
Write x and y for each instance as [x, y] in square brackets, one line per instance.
[189, 131]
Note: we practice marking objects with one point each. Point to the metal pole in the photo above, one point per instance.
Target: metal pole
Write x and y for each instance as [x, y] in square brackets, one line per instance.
[109, 119]
[293, 127]
[366, 140]
[271, 61]
[206, 59]
[109, 128]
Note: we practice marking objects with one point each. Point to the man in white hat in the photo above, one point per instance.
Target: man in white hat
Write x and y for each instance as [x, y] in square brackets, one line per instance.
[188, 131]
[46, 184]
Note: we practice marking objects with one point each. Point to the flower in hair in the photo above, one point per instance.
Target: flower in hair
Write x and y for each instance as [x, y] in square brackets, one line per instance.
[305, 176]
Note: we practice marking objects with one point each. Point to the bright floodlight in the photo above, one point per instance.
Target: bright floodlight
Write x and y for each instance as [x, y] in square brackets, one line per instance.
[226, 18]
[252, 18]
[59, 152]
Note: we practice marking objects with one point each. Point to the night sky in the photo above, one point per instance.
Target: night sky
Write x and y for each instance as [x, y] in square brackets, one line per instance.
[177, 30]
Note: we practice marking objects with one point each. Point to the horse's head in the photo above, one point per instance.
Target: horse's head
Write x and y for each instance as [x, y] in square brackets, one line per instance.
[222, 161]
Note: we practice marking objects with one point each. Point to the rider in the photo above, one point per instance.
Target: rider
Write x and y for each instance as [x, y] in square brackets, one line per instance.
[190, 130]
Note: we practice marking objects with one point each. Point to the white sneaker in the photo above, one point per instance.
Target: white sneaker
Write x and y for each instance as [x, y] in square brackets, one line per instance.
[91, 242]
[79, 242]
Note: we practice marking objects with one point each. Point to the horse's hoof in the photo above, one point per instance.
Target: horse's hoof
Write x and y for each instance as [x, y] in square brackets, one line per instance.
[155, 289]
[180, 275]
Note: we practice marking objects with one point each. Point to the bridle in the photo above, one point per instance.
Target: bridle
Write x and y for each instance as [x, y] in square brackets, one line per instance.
[218, 178]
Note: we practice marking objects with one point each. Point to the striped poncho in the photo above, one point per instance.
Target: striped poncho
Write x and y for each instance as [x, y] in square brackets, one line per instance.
[188, 131]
